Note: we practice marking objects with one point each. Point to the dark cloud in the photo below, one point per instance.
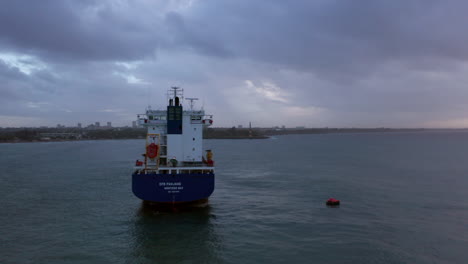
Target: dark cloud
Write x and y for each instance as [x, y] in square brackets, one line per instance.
[79, 30]
[13, 83]
[349, 37]
[181, 35]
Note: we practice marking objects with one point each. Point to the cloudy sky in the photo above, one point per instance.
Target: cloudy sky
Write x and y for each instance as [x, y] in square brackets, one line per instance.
[335, 63]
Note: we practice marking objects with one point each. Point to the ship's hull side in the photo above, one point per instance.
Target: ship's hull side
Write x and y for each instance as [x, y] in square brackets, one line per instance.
[173, 188]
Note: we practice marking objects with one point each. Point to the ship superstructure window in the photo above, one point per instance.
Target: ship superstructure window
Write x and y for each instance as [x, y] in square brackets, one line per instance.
[170, 113]
[174, 119]
[174, 113]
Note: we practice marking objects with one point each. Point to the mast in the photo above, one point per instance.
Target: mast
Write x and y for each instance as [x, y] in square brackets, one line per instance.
[191, 102]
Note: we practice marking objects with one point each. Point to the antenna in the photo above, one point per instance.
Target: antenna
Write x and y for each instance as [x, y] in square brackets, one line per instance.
[148, 95]
[175, 88]
[191, 102]
[176, 91]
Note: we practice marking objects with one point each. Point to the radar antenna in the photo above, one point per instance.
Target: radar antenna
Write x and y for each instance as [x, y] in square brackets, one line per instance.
[175, 93]
[191, 102]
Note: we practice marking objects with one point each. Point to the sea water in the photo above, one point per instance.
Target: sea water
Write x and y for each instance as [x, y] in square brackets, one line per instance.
[404, 199]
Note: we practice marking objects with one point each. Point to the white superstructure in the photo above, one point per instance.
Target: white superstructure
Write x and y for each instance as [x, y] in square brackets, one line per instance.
[177, 133]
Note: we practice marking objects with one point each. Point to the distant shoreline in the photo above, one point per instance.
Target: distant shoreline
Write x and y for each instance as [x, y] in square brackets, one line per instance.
[95, 139]
[240, 137]
[214, 133]
[64, 140]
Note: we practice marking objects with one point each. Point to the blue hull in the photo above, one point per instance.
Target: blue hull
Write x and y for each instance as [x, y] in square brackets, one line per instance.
[173, 188]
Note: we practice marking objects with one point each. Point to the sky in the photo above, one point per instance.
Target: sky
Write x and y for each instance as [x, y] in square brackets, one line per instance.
[320, 63]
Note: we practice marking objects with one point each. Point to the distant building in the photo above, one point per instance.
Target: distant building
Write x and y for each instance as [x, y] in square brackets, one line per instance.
[97, 124]
[283, 127]
[134, 124]
[109, 124]
[239, 126]
[79, 125]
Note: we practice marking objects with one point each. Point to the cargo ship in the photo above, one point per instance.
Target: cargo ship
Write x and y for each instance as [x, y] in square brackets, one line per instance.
[174, 169]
